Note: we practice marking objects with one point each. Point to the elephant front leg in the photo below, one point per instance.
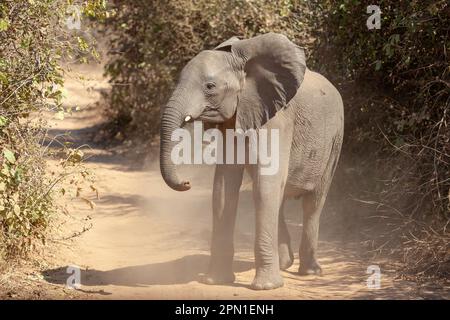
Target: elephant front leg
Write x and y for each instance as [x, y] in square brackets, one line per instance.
[267, 203]
[284, 242]
[227, 182]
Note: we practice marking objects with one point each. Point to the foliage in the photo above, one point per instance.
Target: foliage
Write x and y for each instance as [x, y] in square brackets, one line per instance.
[396, 86]
[34, 40]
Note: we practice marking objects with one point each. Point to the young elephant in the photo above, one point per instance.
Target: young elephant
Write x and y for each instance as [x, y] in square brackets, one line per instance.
[257, 83]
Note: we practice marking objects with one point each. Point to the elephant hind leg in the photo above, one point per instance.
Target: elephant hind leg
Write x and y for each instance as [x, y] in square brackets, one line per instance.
[286, 256]
[312, 208]
[313, 203]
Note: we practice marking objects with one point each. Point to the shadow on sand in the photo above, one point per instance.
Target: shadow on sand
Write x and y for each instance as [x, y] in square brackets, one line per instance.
[180, 271]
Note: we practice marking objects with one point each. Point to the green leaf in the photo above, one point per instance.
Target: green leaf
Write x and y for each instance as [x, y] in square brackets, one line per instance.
[5, 170]
[18, 174]
[9, 156]
[82, 44]
[3, 78]
[3, 121]
[4, 24]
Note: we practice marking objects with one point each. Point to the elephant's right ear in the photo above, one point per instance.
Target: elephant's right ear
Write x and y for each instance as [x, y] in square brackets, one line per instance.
[226, 45]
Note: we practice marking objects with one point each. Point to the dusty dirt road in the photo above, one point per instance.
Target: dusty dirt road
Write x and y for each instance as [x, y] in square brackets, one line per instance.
[150, 242]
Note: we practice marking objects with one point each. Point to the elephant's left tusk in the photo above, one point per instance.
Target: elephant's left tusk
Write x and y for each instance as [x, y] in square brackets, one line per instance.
[187, 119]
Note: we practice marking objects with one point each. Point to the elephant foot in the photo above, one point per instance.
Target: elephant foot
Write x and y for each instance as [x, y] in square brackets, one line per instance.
[222, 278]
[310, 268]
[267, 280]
[286, 257]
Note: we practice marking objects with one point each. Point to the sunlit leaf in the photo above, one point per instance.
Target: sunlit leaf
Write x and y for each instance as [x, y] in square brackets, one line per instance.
[9, 156]
[4, 24]
[16, 209]
[3, 121]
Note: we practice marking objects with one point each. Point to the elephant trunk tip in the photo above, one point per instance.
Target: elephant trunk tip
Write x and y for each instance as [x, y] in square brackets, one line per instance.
[184, 186]
[176, 184]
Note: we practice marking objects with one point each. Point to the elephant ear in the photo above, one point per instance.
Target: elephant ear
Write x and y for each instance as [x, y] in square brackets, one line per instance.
[226, 45]
[274, 69]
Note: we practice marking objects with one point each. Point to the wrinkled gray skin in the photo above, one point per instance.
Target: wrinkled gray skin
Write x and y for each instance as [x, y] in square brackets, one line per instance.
[261, 82]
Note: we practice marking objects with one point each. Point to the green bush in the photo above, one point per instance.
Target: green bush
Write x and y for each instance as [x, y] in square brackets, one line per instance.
[34, 40]
[406, 61]
[396, 87]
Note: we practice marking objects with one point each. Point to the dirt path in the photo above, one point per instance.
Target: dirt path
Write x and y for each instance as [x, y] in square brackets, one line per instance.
[150, 242]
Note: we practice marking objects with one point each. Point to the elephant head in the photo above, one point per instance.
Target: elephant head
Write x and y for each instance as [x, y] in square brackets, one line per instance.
[247, 79]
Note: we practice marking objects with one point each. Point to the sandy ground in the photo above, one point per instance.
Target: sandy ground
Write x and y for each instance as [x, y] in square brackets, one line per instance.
[150, 242]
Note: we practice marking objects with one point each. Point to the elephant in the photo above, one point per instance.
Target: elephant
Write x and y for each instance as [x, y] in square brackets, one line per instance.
[256, 83]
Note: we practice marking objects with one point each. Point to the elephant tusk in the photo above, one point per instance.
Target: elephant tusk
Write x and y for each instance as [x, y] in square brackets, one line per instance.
[187, 119]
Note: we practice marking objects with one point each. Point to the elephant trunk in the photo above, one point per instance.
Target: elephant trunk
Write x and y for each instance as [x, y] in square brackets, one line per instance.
[171, 120]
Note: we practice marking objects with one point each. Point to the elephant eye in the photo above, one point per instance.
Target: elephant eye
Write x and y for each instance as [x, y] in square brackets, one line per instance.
[210, 85]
